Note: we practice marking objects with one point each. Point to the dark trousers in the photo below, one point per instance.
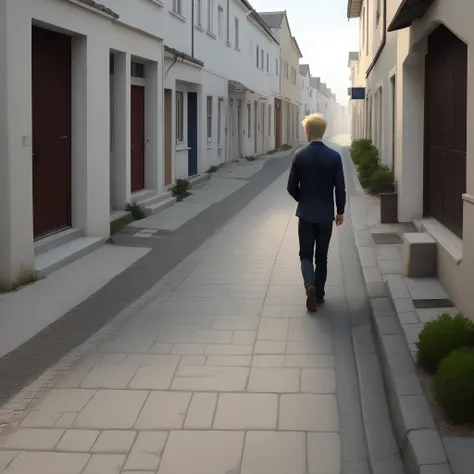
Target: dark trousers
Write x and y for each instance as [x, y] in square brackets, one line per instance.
[311, 237]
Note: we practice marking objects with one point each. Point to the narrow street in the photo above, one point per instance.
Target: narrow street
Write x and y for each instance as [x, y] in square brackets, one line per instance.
[218, 369]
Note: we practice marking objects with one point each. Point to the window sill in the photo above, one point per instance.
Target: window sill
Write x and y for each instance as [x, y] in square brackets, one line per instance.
[182, 147]
[199, 27]
[468, 198]
[229, 44]
[211, 34]
[158, 2]
[450, 242]
[177, 15]
[237, 48]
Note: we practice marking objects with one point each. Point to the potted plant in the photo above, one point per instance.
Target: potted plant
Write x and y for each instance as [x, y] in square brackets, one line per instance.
[382, 182]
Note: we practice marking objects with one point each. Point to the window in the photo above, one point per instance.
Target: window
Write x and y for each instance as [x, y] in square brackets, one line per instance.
[378, 12]
[138, 70]
[287, 70]
[268, 62]
[277, 67]
[209, 119]
[220, 21]
[249, 120]
[210, 16]
[199, 13]
[179, 117]
[269, 119]
[236, 33]
[220, 105]
[262, 59]
[258, 55]
[228, 22]
[177, 7]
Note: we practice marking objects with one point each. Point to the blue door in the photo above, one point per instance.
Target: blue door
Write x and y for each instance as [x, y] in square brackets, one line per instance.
[192, 134]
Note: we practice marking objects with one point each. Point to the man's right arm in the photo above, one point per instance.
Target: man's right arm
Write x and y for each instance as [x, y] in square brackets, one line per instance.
[293, 187]
[340, 187]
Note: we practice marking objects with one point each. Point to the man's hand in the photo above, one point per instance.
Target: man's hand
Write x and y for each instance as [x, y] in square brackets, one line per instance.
[339, 219]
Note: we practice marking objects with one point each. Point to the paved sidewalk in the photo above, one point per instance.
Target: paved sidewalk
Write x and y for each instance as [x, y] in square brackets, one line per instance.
[223, 372]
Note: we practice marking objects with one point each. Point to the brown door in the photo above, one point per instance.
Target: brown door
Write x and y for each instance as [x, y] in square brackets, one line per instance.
[445, 128]
[51, 109]
[277, 123]
[137, 138]
[168, 135]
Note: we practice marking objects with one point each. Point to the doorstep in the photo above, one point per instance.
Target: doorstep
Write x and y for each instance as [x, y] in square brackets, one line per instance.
[59, 249]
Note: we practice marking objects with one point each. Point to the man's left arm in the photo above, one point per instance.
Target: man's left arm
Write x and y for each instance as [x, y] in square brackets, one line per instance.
[340, 187]
[294, 182]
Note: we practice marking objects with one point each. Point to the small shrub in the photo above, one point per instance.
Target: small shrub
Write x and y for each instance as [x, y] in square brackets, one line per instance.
[442, 336]
[250, 158]
[212, 169]
[136, 211]
[272, 152]
[382, 181]
[358, 147]
[368, 165]
[180, 189]
[454, 385]
[286, 146]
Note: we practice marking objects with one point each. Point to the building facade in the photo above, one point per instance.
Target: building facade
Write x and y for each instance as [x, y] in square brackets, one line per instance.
[287, 107]
[418, 110]
[107, 104]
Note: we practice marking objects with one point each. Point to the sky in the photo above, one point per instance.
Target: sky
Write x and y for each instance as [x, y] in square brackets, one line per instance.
[324, 35]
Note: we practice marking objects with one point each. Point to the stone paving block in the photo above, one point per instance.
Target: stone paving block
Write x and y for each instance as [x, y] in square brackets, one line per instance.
[187, 349]
[147, 451]
[6, 457]
[201, 411]
[210, 379]
[31, 439]
[270, 347]
[105, 464]
[66, 420]
[48, 463]
[274, 380]
[272, 329]
[308, 412]
[241, 322]
[318, 381]
[460, 454]
[390, 465]
[244, 411]
[112, 409]
[309, 360]
[268, 361]
[228, 349]
[305, 330]
[114, 442]
[377, 290]
[129, 345]
[389, 325]
[408, 318]
[324, 453]
[372, 275]
[77, 441]
[153, 378]
[193, 360]
[229, 361]
[210, 336]
[412, 332]
[209, 452]
[404, 305]
[152, 360]
[271, 310]
[429, 314]
[244, 337]
[356, 467]
[176, 335]
[162, 348]
[274, 452]
[65, 400]
[109, 376]
[163, 411]
[40, 419]
[316, 347]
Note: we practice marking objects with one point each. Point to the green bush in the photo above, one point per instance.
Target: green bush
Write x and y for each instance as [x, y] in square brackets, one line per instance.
[180, 189]
[442, 336]
[382, 181]
[358, 147]
[454, 385]
[368, 165]
[136, 211]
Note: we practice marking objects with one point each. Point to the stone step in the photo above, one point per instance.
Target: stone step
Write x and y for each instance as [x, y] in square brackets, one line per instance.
[160, 206]
[155, 199]
[66, 253]
[53, 241]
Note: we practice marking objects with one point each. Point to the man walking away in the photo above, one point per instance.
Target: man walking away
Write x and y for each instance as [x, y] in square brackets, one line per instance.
[316, 176]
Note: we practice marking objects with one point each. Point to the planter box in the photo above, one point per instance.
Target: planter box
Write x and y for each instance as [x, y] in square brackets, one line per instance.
[388, 208]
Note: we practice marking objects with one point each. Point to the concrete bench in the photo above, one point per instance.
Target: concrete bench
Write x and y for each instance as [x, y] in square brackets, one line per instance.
[419, 255]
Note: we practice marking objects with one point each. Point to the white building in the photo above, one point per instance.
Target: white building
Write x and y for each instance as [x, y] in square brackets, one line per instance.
[418, 110]
[105, 104]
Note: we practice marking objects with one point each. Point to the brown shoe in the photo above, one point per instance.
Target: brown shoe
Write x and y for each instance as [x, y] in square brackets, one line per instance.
[311, 299]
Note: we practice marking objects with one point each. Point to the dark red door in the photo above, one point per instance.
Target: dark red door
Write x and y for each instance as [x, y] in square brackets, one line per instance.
[51, 108]
[137, 138]
[445, 128]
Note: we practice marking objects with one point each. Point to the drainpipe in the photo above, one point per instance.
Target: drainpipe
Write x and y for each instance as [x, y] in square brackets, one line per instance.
[192, 28]
[382, 44]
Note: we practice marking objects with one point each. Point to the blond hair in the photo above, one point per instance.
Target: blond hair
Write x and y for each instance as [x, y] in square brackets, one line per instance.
[315, 125]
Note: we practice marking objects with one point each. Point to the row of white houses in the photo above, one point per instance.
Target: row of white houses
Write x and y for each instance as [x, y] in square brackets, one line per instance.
[412, 94]
[106, 104]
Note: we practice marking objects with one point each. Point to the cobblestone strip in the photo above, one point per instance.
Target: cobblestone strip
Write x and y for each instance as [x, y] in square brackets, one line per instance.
[418, 439]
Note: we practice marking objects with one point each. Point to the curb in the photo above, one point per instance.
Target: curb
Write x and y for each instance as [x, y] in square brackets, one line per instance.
[420, 443]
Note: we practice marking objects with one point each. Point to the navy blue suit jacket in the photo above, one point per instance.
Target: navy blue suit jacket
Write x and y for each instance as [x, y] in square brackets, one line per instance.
[316, 176]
